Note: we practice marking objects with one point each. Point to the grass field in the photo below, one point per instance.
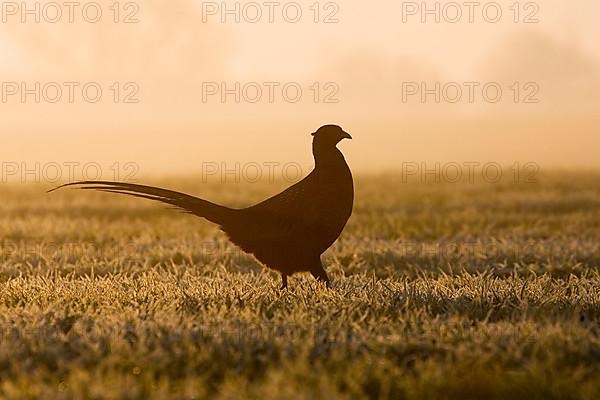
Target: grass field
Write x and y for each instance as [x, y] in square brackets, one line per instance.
[465, 290]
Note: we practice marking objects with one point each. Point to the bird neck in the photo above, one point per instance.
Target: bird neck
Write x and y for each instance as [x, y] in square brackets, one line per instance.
[326, 155]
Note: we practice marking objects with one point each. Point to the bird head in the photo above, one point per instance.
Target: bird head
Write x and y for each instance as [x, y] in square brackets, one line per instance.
[329, 135]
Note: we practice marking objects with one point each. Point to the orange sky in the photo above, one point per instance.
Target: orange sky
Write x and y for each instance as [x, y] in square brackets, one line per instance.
[367, 55]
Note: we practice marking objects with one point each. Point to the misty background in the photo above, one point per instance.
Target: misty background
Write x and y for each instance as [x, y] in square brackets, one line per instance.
[366, 59]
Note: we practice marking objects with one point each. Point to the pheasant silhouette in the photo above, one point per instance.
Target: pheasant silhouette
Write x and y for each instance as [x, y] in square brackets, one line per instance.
[287, 232]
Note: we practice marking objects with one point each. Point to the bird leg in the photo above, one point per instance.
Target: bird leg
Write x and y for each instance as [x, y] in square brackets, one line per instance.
[319, 273]
[284, 279]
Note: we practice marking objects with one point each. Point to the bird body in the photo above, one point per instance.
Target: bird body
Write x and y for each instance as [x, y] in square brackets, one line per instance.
[287, 232]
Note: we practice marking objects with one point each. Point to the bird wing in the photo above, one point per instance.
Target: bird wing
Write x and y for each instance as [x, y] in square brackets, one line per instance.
[289, 217]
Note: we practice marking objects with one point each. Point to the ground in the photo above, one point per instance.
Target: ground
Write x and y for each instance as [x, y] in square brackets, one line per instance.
[448, 290]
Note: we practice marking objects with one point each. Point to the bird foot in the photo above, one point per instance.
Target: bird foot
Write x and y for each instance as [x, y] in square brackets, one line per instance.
[284, 283]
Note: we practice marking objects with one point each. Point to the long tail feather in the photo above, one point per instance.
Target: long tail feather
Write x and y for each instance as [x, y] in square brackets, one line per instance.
[184, 202]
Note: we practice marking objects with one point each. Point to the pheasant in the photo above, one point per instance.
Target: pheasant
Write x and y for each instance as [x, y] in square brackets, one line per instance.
[287, 232]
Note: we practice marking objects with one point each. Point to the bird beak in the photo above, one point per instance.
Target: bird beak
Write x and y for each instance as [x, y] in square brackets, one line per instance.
[346, 135]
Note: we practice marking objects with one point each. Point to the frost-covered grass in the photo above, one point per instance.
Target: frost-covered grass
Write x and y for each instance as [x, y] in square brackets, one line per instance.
[439, 291]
